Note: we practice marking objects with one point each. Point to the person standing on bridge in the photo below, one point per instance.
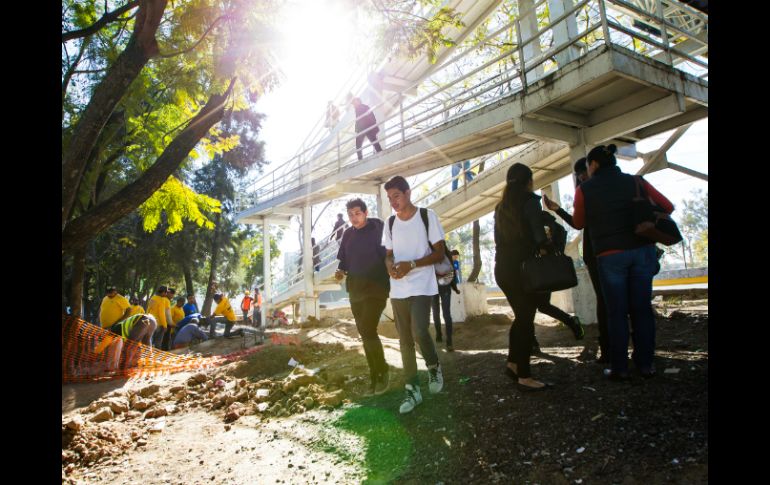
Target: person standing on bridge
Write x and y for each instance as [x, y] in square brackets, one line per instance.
[362, 259]
[626, 262]
[519, 234]
[412, 250]
[338, 228]
[366, 126]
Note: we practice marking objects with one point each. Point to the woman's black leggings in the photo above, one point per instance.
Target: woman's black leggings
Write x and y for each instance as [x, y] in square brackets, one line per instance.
[524, 305]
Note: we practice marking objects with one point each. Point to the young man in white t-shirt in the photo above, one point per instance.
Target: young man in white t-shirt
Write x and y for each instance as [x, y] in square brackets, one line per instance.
[409, 261]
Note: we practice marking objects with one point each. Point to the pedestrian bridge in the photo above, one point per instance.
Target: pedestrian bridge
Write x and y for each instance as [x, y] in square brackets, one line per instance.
[558, 82]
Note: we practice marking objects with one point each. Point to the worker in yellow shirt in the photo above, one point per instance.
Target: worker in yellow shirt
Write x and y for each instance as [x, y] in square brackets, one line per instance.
[177, 312]
[160, 308]
[136, 308]
[114, 308]
[227, 316]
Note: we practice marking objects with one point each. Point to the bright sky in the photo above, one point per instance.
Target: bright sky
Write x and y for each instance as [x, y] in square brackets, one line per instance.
[317, 55]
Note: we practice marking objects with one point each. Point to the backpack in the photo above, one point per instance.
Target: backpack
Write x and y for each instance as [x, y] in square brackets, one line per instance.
[445, 270]
[558, 233]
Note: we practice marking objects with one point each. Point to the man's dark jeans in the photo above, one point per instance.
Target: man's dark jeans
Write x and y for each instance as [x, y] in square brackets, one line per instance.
[626, 279]
[367, 314]
[445, 298]
[601, 309]
[213, 326]
[371, 134]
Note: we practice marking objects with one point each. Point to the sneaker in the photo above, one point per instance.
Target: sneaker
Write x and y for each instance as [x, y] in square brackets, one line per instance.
[577, 328]
[383, 382]
[435, 379]
[411, 400]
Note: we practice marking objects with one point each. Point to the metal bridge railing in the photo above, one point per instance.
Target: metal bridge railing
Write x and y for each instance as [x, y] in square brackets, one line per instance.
[465, 83]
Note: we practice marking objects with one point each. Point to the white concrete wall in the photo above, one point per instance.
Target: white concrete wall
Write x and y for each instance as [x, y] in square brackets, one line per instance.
[471, 301]
[584, 298]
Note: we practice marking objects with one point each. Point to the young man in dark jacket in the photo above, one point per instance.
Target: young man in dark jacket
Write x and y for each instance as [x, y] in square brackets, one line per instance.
[362, 259]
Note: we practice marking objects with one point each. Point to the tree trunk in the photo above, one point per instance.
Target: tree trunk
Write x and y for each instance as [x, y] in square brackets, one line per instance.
[76, 286]
[214, 263]
[474, 276]
[88, 225]
[188, 278]
[141, 47]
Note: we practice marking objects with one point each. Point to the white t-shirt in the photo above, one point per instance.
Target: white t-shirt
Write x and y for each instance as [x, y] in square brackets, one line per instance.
[410, 242]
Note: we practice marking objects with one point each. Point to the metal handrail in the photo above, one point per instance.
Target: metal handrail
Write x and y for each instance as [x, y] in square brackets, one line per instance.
[318, 167]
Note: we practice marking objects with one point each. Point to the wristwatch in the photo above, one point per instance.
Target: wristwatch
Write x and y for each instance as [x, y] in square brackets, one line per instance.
[412, 264]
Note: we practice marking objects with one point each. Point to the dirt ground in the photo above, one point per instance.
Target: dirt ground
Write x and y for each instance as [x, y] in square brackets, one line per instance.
[479, 429]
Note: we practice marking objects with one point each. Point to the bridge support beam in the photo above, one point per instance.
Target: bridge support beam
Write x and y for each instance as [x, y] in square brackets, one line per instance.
[308, 304]
[564, 30]
[267, 290]
[529, 30]
[383, 205]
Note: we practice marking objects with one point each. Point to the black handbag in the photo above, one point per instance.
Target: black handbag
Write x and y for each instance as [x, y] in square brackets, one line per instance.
[651, 222]
[547, 273]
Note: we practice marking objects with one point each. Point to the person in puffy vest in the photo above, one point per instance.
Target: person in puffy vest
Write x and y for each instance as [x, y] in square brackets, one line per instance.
[626, 261]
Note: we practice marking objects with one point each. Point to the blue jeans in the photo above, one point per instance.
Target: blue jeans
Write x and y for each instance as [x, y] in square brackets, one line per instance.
[461, 166]
[626, 280]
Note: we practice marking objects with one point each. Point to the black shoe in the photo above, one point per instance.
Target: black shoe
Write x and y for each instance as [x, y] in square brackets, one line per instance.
[577, 328]
[511, 374]
[648, 373]
[383, 382]
[524, 388]
[450, 348]
[616, 376]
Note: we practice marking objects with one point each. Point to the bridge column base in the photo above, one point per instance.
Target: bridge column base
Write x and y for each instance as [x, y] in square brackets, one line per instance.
[309, 307]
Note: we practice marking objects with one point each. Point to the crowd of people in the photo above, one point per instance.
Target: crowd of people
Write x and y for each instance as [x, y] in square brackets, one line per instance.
[170, 322]
[406, 259]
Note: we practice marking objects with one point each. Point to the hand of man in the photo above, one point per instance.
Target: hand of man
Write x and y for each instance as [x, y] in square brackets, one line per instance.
[550, 205]
[401, 269]
[338, 275]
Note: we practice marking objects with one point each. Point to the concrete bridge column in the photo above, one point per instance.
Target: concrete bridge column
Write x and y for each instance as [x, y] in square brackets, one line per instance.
[267, 290]
[383, 205]
[529, 30]
[308, 304]
[564, 30]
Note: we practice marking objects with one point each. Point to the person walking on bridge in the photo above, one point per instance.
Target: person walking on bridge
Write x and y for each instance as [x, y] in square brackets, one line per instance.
[366, 126]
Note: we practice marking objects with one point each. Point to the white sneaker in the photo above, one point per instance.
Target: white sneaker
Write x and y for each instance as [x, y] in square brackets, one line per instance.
[435, 379]
[411, 400]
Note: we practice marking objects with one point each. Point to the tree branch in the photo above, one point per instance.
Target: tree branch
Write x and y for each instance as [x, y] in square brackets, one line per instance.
[192, 47]
[99, 24]
[71, 71]
[81, 230]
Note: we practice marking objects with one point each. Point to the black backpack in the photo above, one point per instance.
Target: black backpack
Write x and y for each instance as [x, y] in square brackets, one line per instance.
[558, 233]
[424, 217]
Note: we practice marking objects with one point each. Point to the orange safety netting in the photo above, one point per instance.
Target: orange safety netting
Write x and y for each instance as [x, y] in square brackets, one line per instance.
[92, 353]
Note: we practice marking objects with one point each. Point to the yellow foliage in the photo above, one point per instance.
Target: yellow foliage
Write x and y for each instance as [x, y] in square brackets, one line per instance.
[180, 203]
